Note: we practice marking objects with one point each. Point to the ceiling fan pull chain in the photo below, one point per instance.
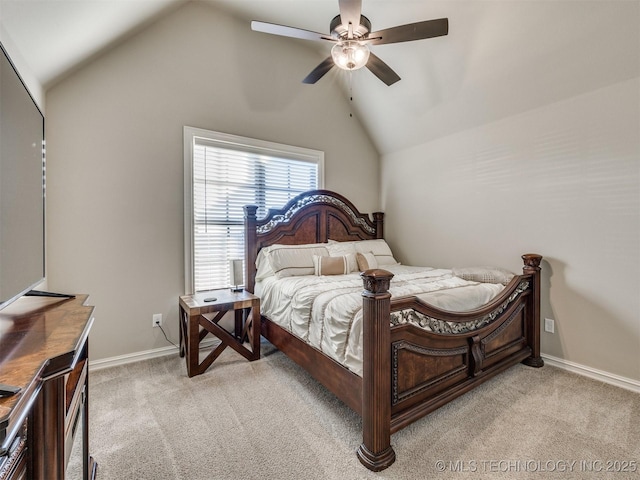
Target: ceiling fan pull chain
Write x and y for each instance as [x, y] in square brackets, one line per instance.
[351, 90]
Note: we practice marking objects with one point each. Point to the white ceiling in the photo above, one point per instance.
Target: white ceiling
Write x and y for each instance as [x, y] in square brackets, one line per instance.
[501, 57]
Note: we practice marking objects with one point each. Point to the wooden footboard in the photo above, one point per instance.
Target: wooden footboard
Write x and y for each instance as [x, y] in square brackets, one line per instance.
[408, 371]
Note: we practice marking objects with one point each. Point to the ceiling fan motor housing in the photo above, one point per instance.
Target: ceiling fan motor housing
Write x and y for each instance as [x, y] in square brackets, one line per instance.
[341, 32]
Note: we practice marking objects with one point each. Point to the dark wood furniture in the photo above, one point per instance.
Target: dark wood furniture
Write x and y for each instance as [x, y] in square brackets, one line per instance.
[197, 320]
[44, 351]
[407, 371]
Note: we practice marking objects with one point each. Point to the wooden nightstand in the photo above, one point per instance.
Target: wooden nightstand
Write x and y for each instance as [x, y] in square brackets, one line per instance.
[206, 309]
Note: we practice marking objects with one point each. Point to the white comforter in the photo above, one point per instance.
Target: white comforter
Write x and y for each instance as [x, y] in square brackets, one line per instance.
[326, 311]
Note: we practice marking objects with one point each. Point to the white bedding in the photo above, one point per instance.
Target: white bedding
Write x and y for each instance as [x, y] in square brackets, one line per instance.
[326, 311]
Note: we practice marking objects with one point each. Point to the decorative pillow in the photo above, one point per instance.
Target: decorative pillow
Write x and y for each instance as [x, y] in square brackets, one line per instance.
[294, 260]
[484, 274]
[380, 250]
[378, 247]
[366, 261]
[325, 265]
[337, 249]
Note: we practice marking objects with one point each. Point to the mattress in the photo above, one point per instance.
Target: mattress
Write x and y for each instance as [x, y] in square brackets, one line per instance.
[326, 311]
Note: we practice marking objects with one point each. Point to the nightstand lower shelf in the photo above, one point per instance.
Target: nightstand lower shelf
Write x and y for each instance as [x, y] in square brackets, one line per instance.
[200, 315]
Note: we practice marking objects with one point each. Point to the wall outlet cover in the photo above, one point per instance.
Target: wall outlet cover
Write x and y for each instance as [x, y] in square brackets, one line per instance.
[549, 325]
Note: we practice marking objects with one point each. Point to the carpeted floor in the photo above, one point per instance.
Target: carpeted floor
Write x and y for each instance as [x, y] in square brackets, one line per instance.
[269, 420]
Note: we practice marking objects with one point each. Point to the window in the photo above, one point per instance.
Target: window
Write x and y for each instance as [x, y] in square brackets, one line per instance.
[223, 173]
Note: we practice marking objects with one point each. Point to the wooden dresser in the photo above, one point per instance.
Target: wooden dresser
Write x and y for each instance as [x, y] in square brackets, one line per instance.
[44, 351]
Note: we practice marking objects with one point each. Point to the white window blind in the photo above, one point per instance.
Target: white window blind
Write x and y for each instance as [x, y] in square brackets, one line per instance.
[227, 173]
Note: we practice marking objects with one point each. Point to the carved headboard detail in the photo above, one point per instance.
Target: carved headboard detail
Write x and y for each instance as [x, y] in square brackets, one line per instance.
[311, 217]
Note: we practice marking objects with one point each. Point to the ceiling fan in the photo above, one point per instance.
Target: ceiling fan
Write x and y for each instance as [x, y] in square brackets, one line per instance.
[351, 35]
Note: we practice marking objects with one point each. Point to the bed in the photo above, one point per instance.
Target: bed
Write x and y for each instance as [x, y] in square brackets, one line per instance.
[407, 356]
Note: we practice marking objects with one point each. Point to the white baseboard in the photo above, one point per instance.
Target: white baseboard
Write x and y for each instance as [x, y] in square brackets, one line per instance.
[606, 377]
[130, 358]
[139, 356]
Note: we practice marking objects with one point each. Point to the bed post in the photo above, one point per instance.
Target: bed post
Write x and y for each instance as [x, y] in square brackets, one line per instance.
[378, 219]
[250, 250]
[532, 267]
[376, 452]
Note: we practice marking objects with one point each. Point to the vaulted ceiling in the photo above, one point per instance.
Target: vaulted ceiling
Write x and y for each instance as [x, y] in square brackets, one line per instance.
[501, 57]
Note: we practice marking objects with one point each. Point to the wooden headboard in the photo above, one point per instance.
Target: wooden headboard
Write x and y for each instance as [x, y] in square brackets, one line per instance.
[311, 217]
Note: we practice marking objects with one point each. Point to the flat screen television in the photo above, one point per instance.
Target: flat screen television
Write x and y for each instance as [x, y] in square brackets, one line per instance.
[22, 186]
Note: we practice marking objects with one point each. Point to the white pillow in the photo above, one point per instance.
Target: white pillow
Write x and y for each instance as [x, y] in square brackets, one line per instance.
[348, 249]
[380, 250]
[378, 247]
[263, 267]
[294, 260]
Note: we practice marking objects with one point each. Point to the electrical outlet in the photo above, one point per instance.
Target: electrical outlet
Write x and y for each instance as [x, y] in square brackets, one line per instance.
[549, 325]
[156, 320]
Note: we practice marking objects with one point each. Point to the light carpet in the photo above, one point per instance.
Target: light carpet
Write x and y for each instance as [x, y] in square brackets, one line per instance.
[269, 419]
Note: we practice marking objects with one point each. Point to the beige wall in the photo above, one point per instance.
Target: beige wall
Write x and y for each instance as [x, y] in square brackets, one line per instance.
[115, 162]
[562, 181]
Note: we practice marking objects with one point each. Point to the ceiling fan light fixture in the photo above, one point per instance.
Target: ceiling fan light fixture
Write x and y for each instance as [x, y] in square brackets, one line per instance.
[350, 54]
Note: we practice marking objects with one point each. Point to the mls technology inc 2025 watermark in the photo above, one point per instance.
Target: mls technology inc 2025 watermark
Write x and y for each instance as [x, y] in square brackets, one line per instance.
[536, 466]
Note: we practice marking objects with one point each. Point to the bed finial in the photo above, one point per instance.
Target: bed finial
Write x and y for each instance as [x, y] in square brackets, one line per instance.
[531, 261]
[376, 281]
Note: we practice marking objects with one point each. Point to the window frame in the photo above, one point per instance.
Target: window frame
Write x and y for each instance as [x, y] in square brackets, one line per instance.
[190, 134]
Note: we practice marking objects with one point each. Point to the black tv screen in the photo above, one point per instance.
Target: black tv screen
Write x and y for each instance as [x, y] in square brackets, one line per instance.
[22, 209]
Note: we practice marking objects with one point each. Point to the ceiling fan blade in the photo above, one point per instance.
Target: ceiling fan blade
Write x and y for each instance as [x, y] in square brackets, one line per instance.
[285, 31]
[411, 31]
[350, 11]
[382, 70]
[318, 72]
